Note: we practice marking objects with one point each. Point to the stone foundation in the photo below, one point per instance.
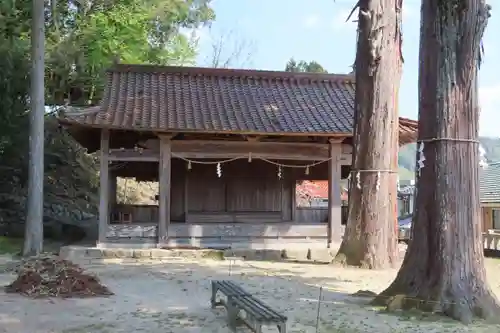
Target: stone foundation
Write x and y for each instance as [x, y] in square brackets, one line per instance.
[293, 253]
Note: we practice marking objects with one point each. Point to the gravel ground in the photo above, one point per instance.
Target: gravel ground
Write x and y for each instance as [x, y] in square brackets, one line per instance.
[173, 296]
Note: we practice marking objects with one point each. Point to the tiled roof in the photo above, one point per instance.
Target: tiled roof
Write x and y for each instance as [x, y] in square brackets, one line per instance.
[489, 183]
[190, 99]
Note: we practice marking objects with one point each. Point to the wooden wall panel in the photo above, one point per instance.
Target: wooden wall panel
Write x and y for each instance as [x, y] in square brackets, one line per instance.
[487, 218]
[312, 215]
[177, 197]
[253, 194]
[287, 202]
[206, 195]
[244, 187]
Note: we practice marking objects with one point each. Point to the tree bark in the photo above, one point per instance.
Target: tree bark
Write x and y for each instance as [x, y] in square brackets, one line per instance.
[33, 238]
[443, 270]
[370, 239]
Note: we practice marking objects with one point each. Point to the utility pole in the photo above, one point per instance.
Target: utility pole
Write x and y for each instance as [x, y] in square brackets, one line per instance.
[33, 237]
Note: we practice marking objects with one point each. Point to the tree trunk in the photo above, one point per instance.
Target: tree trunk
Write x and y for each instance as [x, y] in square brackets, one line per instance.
[443, 269]
[370, 237]
[33, 238]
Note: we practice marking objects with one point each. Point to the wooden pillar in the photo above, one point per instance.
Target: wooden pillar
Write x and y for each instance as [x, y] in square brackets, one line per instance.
[293, 198]
[165, 172]
[104, 187]
[112, 188]
[334, 202]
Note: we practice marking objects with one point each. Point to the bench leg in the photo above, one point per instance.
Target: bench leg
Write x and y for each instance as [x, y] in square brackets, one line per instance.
[232, 314]
[213, 302]
[282, 327]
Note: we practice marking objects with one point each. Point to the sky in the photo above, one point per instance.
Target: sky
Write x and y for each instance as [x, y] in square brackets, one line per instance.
[270, 32]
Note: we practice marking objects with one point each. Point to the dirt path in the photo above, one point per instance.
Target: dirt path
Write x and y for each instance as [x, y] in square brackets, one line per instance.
[173, 296]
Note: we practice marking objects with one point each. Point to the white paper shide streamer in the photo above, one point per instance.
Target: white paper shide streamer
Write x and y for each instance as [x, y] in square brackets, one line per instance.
[377, 186]
[358, 180]
[483, 161]
[219, 170]
[421, 157]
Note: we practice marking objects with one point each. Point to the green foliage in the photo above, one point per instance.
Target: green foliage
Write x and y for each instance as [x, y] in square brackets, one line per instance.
[303, 66]
[70, 182]
[14, 68]
[83, 38]
[10, 245]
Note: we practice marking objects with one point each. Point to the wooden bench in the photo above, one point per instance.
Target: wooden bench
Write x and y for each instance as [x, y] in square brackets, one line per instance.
[256, 312]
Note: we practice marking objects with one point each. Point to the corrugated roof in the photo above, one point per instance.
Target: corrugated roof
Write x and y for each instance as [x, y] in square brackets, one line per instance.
[190, 99]
[489, 183]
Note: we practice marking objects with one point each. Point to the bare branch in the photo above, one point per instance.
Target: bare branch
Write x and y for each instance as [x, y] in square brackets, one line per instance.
[230, 50]
[356, 6]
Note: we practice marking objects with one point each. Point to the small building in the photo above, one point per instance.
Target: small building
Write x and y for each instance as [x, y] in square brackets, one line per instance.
[406, 198]
[227, 148]
[314, 194]
[489, 189]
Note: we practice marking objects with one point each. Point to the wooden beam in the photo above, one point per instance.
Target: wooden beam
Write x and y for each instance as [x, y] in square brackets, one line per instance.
[334, 202]
[165, 172]
[346, 149]
[104, 187]
[335, 140]
[252, 138]
[230, 149]
[134, 155]
[166, 136]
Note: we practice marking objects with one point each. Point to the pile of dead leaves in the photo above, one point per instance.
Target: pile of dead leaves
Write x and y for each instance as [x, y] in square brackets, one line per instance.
[55, 277]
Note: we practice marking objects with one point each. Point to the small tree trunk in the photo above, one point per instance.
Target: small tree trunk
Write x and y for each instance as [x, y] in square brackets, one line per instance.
[370, 237]
[443, 269]
[33, 238]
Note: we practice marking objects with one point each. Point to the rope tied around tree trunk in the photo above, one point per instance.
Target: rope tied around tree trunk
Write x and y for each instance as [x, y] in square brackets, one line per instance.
[421, 146]
[378, 171]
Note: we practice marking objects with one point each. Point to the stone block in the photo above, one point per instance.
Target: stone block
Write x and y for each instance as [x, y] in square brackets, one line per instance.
[141, 253]
[118, 253]
[160, 254]
[295, 254]
[94, 253]
[73, 252]
[270, 255]
[322, 255]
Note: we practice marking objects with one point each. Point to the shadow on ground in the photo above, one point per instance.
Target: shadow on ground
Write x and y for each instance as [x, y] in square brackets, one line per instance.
[173, 296]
